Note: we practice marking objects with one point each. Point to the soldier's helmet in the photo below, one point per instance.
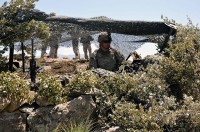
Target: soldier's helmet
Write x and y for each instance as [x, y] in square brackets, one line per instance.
[104, 36]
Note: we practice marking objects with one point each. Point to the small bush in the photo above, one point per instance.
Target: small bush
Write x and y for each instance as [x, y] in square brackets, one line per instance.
[83, 81]
[129, 118]
[181, 69]
[82, 125]
[3, 65]
[13, 87]
[50, 89]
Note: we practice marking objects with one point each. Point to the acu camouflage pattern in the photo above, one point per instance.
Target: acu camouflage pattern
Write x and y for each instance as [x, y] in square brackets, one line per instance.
[75, 48]
[86, 45]
[86, 39]
[109, 60]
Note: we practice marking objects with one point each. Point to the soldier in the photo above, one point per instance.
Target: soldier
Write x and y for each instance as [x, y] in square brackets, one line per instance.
[75, 48]
[74, 35]
[105, 57]
[86, 45]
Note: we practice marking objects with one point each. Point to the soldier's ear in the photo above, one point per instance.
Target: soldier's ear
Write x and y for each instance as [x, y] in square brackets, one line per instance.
[109, 34]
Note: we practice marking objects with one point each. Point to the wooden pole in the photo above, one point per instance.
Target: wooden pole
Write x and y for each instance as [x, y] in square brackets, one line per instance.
[32, 64]
[11, 57]
[23, 55]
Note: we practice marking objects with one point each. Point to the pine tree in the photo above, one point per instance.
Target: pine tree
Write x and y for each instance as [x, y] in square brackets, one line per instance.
[17, 24]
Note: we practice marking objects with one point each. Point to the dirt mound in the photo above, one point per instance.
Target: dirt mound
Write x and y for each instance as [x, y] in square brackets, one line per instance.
[61, 66]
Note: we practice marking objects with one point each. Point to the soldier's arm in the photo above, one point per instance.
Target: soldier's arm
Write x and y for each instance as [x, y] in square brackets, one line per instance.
[91, 38]
[120, 57]
[92, 61]
[81, 40]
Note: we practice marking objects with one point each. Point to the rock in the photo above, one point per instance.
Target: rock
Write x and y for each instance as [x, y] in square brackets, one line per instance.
[114, 129]
[57, 65]
[49, 60]
[95, 91]
[64, 79]
[14, 105]
[82, 106]
[13, 122]
[48, 118]
[27, 109]
[103, 72]
[4, 102]
[42, 101]
[47, 68]
[41, 120]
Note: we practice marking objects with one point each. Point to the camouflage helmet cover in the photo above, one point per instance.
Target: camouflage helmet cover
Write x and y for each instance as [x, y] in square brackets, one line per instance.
[104, 36]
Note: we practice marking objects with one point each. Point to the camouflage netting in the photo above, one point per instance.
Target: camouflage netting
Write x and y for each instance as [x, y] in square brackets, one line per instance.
[127, 35]
[116, 26]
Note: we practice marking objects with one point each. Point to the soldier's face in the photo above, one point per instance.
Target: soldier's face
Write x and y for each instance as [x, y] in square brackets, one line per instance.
[106, 44]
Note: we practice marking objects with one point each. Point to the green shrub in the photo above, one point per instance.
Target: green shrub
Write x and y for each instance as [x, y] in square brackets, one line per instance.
[148, 85]
[50, 89]
[13, 87]
[142, 87]
[188, 116]
[3, 65]
[181, 69]
[184, 118]
[166, 114]
[83, 81]
[129, 118]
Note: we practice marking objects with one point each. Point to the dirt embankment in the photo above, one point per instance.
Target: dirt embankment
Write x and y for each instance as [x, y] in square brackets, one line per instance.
[61, 66]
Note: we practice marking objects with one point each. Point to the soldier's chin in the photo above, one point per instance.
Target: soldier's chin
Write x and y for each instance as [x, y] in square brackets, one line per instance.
[106, 47]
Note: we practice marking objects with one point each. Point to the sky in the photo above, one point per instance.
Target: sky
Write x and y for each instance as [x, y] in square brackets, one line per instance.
[136, 10]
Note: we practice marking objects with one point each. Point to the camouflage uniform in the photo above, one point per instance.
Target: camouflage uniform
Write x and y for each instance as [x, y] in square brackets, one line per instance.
[75, 48]
[109, 60]
[74, 35]
[86, 45]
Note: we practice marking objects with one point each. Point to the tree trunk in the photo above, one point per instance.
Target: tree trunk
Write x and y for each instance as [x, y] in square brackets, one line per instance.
[43, 50]
[32, 63]
[53, 43]
[11, 57]
[53, 51]
[23, 55]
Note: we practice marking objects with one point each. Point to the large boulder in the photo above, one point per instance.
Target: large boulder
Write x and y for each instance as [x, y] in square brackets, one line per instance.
[15, 105]
[13, 122]
[82, 106]
[41, 120]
